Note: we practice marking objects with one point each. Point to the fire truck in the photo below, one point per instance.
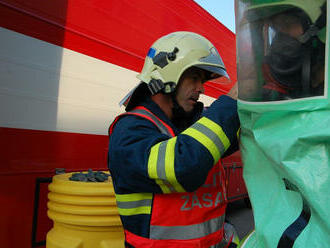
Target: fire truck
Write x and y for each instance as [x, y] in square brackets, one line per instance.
[64, 66]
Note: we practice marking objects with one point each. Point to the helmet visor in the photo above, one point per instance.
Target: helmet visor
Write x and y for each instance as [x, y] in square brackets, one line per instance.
[213, 64]
[215, 72]
[273, 62]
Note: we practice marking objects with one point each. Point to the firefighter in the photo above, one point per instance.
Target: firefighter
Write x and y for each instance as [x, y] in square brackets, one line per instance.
[285, 115]
[164, 150]
[283, 45]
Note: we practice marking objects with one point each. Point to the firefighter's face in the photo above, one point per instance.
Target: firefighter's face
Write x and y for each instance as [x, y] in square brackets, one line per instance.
[290, 25]
[189, 88]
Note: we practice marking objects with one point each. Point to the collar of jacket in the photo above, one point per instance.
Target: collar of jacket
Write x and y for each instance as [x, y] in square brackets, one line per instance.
[155, 109]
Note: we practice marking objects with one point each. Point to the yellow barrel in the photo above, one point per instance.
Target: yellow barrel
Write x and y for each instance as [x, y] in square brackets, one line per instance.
[85, 214]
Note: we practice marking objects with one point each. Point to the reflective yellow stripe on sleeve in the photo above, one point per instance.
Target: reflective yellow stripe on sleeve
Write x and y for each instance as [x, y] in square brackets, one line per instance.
[238, 134]
[210, 135]
[133, 204]
[161, 166]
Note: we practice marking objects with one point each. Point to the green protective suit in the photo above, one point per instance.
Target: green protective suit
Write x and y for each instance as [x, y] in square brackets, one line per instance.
[285, 146]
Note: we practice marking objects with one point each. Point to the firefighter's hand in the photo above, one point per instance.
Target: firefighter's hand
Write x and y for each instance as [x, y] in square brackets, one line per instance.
[233, 93]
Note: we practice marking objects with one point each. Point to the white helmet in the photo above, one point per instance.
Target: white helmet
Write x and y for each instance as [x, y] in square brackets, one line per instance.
[171, 55]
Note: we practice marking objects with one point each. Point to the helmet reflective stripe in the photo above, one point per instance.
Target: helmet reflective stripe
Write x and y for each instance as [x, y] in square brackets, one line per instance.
[151, 53]
[172, 54]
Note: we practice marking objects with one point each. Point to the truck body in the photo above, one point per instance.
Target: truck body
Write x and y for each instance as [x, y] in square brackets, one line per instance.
[64, 66]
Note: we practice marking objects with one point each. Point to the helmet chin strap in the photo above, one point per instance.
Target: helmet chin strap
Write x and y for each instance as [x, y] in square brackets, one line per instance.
[155, 86]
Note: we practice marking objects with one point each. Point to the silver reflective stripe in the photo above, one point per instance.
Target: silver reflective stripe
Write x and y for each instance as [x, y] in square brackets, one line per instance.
[161, 160]
[209, 133]
[133, 204]
[161, 166]
[160, 125]
[187, 232]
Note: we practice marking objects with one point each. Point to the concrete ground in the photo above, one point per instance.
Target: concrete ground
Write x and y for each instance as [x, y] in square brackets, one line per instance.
[241, 216]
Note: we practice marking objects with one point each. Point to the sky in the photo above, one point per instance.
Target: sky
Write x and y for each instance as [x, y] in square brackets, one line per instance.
[222, 10]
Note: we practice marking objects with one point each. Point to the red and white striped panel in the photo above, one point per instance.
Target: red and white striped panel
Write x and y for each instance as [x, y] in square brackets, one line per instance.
[47, 87]
[65, 65]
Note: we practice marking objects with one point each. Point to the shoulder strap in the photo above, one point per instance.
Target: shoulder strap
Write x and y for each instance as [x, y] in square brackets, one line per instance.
[147, 114]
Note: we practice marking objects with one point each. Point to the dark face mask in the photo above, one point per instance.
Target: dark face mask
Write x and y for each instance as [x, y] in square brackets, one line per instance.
[285, 60]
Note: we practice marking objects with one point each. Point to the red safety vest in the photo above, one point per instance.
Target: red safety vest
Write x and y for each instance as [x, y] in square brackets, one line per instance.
[184, 219]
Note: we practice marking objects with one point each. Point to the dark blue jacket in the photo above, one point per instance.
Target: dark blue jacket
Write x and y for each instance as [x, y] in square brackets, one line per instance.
[133, 137]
